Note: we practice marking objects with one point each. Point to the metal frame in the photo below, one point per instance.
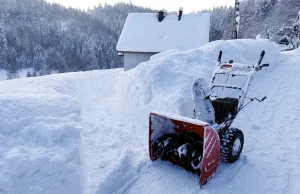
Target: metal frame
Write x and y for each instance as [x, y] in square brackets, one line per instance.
[236, 70]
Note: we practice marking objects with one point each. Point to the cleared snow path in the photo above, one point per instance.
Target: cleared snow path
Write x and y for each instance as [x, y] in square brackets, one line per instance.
[272, 138]
[108, 149]
[115, 144]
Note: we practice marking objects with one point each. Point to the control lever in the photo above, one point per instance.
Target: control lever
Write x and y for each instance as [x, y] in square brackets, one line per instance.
[261, 66]
[265, 65]
[251, 100]
[259, 100]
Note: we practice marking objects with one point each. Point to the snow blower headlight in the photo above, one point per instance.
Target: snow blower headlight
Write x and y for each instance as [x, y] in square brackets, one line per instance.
[226, 66]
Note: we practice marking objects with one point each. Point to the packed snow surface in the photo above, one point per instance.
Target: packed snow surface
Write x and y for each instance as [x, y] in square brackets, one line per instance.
[88, 132]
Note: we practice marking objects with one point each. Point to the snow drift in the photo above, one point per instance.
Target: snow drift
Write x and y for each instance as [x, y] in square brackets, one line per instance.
[40, 126]
[39, 131]
[165, 82]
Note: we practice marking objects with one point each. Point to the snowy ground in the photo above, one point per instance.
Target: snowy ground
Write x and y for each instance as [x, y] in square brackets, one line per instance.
[88, 132]
[21, 74]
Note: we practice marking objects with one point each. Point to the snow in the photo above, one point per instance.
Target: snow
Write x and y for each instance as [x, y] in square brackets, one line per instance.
[258, 37]
[163, 54]
[39, 130]
[166, 126]
[203, 107]
[142, 32]
[21, 73]
[88, 132]
[238, 19]
[173, 116]
[165, 83]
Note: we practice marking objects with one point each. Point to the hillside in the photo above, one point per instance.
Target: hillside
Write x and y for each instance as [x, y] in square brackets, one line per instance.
[88, 132]
[51, 38]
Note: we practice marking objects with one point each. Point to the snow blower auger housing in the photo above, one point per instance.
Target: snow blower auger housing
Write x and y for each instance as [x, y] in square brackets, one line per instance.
[197, 144]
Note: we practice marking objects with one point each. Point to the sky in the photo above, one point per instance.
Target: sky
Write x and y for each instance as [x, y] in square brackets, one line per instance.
[169, 5]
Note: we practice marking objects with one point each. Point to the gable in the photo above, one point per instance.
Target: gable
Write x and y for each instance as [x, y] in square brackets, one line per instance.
[142, 32]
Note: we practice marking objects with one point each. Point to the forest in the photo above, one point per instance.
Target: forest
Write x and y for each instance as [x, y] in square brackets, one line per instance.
[48, 37]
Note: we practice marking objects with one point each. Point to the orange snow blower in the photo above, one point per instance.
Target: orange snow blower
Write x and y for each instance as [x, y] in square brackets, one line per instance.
[197, 144]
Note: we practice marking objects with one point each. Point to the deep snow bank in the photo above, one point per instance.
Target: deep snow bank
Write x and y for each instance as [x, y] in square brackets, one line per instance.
[164, 82]
[40, 126]
[39, 132]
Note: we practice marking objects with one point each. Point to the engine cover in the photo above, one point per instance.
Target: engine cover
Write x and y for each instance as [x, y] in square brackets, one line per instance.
[225, 108]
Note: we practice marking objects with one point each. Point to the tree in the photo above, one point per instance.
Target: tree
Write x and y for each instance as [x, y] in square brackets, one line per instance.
[49, 37]
[3, 47]
[38, 62]
[290, 35]
[296, 32]
[55, 61]
[28, 74]
[12, 61]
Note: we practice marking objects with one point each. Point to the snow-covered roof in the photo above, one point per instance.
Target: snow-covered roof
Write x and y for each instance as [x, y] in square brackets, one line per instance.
[142, 32]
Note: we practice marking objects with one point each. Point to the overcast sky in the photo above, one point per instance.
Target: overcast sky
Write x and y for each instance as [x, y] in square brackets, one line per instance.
[169, 5]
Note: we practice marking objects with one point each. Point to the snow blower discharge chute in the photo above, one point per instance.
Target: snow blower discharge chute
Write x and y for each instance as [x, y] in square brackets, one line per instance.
[197, 144]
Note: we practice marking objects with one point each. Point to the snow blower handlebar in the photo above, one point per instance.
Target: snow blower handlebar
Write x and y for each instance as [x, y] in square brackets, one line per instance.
[259, 100]
[220, 56]
[219, 59]
[243, 72]
[258, 65]
[251, 100]
[261, 57]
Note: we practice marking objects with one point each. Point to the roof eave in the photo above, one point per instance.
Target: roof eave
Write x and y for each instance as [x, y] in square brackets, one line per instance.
[139, 52]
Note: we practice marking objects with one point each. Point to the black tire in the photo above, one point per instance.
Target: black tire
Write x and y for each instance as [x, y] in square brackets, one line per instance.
[232, 143]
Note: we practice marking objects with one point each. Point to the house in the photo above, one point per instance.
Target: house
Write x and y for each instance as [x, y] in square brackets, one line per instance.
[146, 34]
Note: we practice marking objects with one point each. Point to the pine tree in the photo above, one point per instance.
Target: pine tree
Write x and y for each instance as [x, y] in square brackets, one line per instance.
[28, 74]
[3, 46]
[38, 62]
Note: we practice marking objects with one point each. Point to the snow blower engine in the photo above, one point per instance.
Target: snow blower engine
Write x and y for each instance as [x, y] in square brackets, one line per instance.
[197, 144]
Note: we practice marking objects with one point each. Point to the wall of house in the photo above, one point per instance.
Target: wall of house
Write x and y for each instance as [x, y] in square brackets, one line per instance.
[131, 60]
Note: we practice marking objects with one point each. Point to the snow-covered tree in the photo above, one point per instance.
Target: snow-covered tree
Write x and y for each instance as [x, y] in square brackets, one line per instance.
[3, 47]
[290, 35]
[296, 31]
[38, 62]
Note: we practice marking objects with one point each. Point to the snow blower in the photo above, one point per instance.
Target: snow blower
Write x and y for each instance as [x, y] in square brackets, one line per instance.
[197, 144]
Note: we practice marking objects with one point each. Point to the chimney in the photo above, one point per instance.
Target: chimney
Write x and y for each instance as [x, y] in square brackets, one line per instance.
[161, 15]
[180, 13]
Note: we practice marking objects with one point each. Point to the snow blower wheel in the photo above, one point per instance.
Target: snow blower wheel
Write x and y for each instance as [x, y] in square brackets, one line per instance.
[232, 143]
